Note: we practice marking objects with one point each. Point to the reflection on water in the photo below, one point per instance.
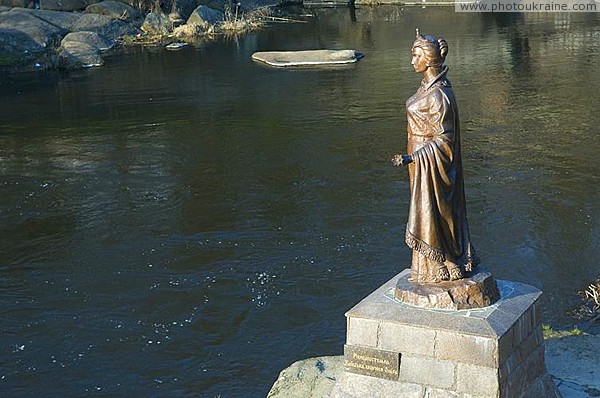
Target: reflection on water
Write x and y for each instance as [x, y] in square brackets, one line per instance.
[188, 223]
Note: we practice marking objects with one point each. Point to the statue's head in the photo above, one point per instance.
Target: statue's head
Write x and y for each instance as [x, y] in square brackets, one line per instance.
[433, 50]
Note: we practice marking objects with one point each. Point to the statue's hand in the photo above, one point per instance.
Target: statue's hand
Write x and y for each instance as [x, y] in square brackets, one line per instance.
[397, 160]
[401, 160]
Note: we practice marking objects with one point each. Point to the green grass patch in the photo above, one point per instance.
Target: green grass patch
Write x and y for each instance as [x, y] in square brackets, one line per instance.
[550, 333]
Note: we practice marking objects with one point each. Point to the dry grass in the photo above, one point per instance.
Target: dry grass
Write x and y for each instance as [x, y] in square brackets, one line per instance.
[233, 25]
[260, 13]
[370, 3]
[245, 23]
[190, 30]
[238, 26]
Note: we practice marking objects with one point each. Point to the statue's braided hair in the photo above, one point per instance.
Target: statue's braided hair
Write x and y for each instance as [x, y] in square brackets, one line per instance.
[435, 50]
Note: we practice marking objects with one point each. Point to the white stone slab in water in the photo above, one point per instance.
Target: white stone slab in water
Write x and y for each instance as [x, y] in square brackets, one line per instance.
[176, 46]
[306, 58]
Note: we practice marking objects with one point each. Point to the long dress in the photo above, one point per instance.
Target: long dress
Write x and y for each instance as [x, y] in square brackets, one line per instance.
[437, 229]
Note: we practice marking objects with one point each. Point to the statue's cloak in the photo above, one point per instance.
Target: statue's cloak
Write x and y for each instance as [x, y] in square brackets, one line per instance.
[437, 221]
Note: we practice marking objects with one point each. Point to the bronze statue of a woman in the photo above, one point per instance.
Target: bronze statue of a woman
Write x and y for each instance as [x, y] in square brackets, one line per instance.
[437, 229]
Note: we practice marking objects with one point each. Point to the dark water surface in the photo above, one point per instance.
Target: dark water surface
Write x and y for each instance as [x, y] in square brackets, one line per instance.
[189, 223]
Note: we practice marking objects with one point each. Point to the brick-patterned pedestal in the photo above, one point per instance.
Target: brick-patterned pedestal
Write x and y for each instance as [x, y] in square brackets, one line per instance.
[496, 351]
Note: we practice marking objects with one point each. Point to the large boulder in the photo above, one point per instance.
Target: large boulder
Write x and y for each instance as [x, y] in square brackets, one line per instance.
[181, 8]
[26, 40]
[18, 3]
[28, 33]
[157, 24]
[62, 5]
[92, 38]
[75, 22]
[83, 49]
[105, 26]
[115, 10]
[313, 377]
[215, 4]
[61, 19]
[54, 5]
[205, 15]
[12, 47]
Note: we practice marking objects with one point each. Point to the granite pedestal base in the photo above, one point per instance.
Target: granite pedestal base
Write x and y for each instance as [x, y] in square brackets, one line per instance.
[476, 290]
[396, 350]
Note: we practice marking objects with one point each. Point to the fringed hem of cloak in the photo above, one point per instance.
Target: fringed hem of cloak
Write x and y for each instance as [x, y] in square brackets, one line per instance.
[436, 254]
[417, 244]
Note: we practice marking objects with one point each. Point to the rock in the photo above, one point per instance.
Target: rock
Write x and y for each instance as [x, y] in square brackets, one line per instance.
[92, 38]
[54, 5]
[74, 22]
[476, 291]
[11, 48]
[63, 5]
[182, 8]
[114, 10]
[306, 57]
[25, 40]
[17, 3]
[61, 19]
[203, 15]
[79, 55]
[25, 33]
[314, 377]
[105, 26]
[83, 49]
[214, 4]
[157, 24]
[4, 8]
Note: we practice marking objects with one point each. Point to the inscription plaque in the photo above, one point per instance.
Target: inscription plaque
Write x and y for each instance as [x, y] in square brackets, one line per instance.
[372, 362]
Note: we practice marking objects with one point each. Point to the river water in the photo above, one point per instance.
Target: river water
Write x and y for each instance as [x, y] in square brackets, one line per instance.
[189, 223]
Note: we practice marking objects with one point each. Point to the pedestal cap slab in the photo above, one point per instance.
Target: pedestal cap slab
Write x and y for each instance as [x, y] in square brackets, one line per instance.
[382, 307]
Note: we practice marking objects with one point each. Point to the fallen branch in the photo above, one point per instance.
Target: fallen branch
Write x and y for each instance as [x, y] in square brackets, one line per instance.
[280, 19]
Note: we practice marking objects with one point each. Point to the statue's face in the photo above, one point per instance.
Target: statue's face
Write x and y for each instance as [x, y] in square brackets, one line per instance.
[418, 60]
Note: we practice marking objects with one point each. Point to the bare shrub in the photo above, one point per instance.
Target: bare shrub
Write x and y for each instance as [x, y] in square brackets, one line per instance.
[590, 308]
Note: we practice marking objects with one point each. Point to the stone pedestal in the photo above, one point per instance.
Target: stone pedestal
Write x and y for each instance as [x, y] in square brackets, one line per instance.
[397, 350]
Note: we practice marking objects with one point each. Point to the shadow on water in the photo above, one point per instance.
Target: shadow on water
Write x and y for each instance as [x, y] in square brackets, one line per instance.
[189, 223]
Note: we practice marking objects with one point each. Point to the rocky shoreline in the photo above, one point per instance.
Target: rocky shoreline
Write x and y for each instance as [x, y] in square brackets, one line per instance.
[73, 34]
